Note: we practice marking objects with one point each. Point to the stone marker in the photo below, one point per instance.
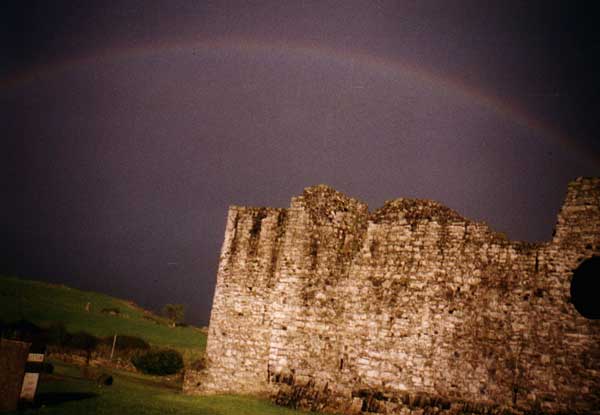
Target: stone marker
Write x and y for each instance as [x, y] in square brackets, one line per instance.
[35, 365]
[13, 357]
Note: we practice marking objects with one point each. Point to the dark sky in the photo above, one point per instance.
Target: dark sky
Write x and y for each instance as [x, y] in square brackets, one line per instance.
[130, 126]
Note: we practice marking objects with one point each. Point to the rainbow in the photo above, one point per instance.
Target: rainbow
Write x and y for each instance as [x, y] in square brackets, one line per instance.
[504, 108]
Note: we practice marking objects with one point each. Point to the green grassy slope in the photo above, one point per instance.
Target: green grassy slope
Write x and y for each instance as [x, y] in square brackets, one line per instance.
[66, 393]
[43, 304]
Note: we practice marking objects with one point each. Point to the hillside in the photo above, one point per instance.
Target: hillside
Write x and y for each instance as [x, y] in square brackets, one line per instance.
[44, 304]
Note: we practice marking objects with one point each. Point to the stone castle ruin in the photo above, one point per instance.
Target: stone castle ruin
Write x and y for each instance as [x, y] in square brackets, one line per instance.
[409, 309]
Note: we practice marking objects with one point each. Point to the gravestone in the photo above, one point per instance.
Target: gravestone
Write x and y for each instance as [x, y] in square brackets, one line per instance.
[33, 368]
[13, 357]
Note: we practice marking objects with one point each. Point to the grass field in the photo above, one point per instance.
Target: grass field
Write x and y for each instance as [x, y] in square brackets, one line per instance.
[44, 304]
[66, 392]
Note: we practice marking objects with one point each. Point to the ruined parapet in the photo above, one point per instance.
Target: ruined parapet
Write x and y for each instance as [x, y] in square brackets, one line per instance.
[576, 339]
[411, 306]
[579, 218]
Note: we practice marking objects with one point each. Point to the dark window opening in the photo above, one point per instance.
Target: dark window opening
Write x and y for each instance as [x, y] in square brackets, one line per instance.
[584, 294]
[257, 223]
[374, 248]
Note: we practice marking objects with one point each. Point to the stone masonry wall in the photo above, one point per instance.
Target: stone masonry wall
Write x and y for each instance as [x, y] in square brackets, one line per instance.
[409, 308]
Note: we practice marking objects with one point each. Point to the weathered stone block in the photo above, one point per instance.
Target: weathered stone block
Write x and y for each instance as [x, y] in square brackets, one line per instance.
[13, 357]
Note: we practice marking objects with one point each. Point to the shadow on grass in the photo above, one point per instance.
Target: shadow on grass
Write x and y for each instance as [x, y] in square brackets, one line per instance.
[56, 398]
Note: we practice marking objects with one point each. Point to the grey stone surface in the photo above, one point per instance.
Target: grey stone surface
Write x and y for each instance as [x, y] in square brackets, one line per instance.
[13, 356]
[408, 309]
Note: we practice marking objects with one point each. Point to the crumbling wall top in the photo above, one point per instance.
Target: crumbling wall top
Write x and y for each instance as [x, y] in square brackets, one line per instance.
[324, 202]
[413, 210]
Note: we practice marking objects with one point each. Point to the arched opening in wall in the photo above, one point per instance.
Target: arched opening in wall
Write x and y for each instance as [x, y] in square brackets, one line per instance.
[584, 294]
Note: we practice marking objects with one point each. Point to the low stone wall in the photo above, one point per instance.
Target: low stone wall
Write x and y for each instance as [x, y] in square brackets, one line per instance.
[97, 360]
[319, 397]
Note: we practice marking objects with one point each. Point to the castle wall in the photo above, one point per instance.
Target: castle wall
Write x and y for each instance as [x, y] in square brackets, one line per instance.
[240, 329]
[411, 305]
[324, 234]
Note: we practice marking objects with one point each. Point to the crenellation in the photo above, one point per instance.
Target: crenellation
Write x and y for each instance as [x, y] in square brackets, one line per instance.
[328, 307]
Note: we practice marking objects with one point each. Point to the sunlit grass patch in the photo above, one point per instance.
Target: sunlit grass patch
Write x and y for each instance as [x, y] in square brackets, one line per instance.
[44, 304]
[67, 392]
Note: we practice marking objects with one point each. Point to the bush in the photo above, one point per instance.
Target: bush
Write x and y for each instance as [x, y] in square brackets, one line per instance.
[57, 335]
[23, 330]
[126, 343]
[174, 312]
[159, 362]
[82, 341]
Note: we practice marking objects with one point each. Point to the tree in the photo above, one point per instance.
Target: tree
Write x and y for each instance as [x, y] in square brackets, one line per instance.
[84, 341]
[174, 312]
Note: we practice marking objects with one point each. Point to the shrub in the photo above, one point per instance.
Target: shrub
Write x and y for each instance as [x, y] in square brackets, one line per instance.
[84, 341]
[23, 330]
[174, 312]
[57, 335]
[158, 362]
[125, 342]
